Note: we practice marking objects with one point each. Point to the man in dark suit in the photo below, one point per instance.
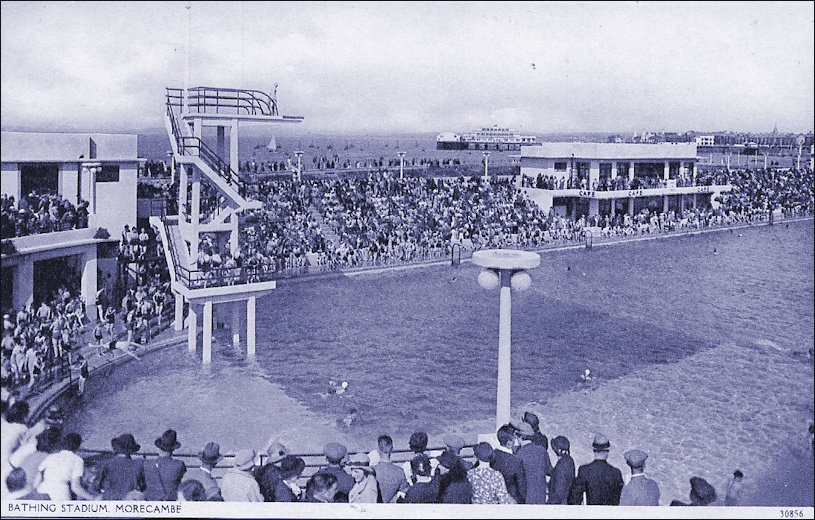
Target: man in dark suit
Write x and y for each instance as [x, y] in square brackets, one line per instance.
[162, 475]
[600, 481]
[536, 464]
[509, 464]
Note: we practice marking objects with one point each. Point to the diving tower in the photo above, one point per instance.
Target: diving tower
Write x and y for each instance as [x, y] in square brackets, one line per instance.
[236, 289]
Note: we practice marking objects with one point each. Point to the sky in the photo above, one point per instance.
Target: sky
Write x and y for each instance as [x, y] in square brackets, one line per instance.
[391, 67]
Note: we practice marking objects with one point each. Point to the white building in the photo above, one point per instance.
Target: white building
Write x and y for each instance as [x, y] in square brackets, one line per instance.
[610, 178]
[98, 168]
[705, 140]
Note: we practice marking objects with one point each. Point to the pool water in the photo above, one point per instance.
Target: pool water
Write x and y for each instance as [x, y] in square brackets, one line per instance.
[674, 332]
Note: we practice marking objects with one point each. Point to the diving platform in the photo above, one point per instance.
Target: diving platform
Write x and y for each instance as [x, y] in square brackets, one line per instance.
[202, 228]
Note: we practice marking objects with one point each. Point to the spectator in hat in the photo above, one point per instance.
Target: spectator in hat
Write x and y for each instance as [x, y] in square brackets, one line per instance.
[390, 477]
[454, 487]
[510, 465]
[601, 482]
[120, 474]
[321, 487]
[335, 453]
[701, 493]
[238, 485]
[425, 488]
[287, 490]
[268, 475]
[454, 444]
[163, 474]
[562, 473]
[418, 445]
[536, 464]
[640, 490]
[210, 456]
[366, 489]
[488, 486]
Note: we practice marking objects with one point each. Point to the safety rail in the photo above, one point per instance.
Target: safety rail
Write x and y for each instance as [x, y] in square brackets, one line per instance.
[227, 101]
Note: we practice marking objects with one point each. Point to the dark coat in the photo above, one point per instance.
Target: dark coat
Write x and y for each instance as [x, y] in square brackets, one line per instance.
[423, 493]
[283, 493]
[344, 481]
[600, 481]
[162, 476]
[561, 481]
[118, 476]
[512, 468]
[536, 466]
[267, 477]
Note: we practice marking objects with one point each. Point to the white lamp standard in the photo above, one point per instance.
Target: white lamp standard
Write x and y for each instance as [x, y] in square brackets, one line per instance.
[505, 267]
[486, 166]
[298, 153]
[401, 164]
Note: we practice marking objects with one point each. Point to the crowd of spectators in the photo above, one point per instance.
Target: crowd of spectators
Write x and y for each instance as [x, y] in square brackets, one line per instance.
[40, 213]
[41, 463]
[619, 183]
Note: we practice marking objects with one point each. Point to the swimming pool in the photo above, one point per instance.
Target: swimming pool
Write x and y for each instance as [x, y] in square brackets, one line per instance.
[419, 350]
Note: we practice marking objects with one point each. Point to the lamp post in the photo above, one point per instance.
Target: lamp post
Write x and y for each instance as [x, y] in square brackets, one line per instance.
[298, 153]
[401, 164]
[505, 268]
[486, 166]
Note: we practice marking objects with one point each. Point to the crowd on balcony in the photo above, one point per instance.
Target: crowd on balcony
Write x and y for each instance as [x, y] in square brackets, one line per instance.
[42, 462]
[37, 213]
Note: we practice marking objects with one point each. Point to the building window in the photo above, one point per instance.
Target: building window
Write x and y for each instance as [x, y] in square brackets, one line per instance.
[560, 166]
[108, 173]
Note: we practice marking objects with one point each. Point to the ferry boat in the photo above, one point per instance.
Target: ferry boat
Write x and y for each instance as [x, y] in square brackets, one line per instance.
[494, 138]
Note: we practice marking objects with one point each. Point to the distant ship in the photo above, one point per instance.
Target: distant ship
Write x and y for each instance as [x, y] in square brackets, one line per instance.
[495, 138]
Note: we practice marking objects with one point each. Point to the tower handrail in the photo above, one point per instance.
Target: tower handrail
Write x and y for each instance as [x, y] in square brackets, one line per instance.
[212, 159]
[227, 101]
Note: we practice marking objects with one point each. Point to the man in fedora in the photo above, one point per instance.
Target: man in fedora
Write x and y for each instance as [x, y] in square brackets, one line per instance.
[640, 490]
[163, 474]
[600, 481]
[209, 457]
[335, 454]
[121, 474]
[536, 464]
[268, 475]
[238, 485]
[510, 465]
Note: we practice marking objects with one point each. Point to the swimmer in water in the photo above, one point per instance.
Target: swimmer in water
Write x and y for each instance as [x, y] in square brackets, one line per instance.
[350, 418]
[586, 376]
[715, 251]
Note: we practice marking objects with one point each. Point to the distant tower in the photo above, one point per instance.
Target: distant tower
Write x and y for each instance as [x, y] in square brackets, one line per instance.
[775, 129]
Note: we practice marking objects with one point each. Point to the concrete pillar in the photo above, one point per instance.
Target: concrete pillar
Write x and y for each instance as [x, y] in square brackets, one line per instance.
[613, 207]
[192, 329]
[665, 204]
[667, 171]
[23, 294]
[631, 206]
[233, 146]
[89, 281]
[681, 203]
[502, 415]
[614, 170]
[183, 184]
[178, 324]
[207, 351]
[594, 207]
[197, 128]
[594, 174]
[220, 147]
[237, 321]
[250, 326]
[694, 201]
[233, 234]
[631, 172]
[195, 215]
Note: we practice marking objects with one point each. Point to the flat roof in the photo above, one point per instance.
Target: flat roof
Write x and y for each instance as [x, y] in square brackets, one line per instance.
[633, 151]
[67, 147]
